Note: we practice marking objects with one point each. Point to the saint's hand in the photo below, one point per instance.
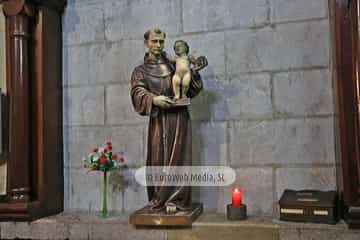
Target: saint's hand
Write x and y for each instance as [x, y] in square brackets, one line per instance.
[162, 101]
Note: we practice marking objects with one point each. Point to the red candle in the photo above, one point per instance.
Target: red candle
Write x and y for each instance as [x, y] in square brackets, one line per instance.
[236, 197]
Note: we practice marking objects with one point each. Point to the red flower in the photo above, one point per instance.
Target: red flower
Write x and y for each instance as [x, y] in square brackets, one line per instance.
[109, 148]
[94, 167]
[114, 157]
[95, 150]
[103, 160]
[108, 143]
[105, 150]
[121, 159]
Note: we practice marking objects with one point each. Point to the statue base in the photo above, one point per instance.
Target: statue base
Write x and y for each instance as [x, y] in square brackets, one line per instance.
[182, 102]
[144, 217]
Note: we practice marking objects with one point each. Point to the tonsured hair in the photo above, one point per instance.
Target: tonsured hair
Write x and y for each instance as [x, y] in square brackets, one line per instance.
[155, 31]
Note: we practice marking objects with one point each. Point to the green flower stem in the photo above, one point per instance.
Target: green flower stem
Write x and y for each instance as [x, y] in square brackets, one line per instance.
[104, 206]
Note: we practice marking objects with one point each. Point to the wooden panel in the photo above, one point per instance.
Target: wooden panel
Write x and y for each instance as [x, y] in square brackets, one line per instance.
[47, 121]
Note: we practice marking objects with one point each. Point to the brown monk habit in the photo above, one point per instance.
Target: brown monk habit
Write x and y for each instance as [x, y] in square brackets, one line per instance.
[170, 128]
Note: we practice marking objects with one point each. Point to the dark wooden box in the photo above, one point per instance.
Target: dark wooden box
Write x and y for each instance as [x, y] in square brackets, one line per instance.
[309, 206]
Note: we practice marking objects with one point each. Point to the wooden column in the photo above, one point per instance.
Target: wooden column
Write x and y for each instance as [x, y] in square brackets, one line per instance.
[18, 14]
[34, 76]
[345, 39]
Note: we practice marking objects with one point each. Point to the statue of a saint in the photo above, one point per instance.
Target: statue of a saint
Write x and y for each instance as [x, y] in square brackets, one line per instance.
[169, 134]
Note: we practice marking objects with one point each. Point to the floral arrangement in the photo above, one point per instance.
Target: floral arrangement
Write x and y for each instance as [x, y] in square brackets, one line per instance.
[104, 159]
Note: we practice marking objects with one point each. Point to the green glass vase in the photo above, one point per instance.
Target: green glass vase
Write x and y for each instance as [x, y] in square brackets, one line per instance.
[104, 211]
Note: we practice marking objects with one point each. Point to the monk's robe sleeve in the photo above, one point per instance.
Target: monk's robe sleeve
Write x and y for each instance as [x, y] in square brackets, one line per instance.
[196, 84]
[140, 95]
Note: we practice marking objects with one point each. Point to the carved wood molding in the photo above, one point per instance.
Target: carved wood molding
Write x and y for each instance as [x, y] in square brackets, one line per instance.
[13, 7]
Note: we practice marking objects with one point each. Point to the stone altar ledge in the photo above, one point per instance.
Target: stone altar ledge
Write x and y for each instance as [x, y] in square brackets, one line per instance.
[208, 226]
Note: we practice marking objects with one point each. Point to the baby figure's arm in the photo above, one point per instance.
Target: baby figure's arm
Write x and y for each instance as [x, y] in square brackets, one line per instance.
[192, 59]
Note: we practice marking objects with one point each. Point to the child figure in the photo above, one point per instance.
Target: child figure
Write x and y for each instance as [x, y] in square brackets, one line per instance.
[182, 77]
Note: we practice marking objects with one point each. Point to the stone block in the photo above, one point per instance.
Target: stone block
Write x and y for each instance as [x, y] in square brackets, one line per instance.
[251, 142]
[115, 191]
[210, 45]
[289, 234]
[130, 19]
[135, 195]
[286, 46]
[350, 235]
[283, 141]
[303, 93]
[125, 194]
[245, 97]
[48, 229]
[2, 20]
[295, 10]
[80, 141]
[119, 109]
[305, 178]
[116, 61]
[79, 231]
[125, 231]
[102, 63]
[209, 143]
[210, 103]
[208, 196]
[85, 190]
[249, 96]
[127, 140]
[318, 234]
[106, 231]
[8, 230]
[76, 65]
[40, 229]
[21, 230]
[224, 232]
[83, 24]
[84, 106]
[66, 132]
[66, 188]
[96, 60]
[257, 187]
[205, 15]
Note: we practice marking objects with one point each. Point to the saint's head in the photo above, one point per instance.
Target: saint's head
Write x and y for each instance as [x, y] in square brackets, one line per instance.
[154, 40]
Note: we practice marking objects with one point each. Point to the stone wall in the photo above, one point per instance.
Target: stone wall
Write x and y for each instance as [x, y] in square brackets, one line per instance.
[266, 109]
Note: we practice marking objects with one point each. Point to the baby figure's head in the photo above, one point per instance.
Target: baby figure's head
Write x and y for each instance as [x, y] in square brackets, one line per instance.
[181, 48]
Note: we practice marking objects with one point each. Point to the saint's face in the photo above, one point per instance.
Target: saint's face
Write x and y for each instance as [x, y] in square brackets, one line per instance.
[155, 44]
